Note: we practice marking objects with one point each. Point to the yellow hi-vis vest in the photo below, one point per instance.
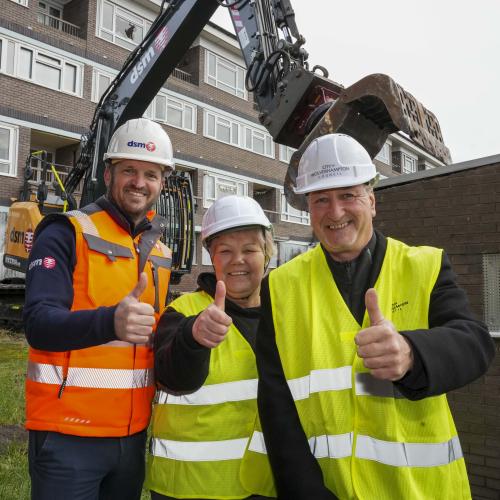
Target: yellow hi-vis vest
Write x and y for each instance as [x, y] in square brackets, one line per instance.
[370, 442]
[199, 439]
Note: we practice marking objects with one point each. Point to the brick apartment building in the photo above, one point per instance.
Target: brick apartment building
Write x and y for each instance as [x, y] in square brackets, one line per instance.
[57, 57]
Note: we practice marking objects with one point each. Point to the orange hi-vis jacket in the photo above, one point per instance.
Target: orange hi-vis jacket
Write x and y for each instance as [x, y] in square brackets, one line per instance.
[106, 390]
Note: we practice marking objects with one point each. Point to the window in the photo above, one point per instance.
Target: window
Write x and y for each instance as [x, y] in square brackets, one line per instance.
[8, 149]
[100, 82]
[196, 236]
[290, 214]
[409, 164]
[491, 292]
[384, 154]
[216, 186]
[41, 67]
[205, 257]
[21, 2]
[288, 250]
[175, 112]
[225, 75]
[238, 134]
[121, 26]
[286, 153]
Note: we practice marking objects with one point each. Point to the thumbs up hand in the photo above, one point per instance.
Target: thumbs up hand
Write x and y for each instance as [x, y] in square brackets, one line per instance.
[384, 350]
[134, 320]
[211, 326]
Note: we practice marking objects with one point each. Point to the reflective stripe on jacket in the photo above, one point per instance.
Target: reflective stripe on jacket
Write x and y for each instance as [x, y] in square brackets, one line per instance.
[104, 390]
[369, 441]
[199, 439]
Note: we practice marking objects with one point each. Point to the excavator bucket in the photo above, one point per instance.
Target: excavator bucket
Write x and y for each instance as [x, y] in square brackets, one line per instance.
[370, 110]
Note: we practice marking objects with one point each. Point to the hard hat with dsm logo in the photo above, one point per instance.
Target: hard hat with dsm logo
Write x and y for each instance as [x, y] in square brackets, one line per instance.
[141, 139]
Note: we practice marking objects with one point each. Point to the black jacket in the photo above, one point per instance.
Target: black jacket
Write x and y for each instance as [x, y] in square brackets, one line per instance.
[454, 351]
[181, 364]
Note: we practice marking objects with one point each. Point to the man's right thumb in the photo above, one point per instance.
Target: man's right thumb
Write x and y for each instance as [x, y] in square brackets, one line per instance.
[220, 295]
[140, 287]
[374, 312]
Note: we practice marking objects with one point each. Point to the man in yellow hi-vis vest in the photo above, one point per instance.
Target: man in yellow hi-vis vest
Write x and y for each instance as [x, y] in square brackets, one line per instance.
[360, 338]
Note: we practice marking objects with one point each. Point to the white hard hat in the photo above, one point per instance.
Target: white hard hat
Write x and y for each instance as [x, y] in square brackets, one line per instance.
[231, 212]
[333, 161]
[141, 139]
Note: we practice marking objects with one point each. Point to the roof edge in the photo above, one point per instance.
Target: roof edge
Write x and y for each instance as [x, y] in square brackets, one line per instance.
[438, 171]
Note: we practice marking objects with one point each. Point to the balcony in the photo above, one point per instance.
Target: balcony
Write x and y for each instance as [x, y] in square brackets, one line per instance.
[58, 24]
[50, 180]
[182, 75]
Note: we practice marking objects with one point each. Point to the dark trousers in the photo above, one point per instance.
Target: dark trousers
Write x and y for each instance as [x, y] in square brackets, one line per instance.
[64, 467]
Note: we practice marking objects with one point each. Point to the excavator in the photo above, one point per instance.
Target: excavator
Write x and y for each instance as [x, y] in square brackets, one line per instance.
[296, 104]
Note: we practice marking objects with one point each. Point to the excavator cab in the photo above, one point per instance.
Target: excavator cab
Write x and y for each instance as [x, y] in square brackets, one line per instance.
[30, 208]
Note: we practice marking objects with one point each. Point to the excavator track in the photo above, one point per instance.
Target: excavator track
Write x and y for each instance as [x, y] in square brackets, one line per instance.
[11, 305]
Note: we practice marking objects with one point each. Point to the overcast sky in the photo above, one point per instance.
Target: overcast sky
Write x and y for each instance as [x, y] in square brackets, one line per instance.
[444, 52]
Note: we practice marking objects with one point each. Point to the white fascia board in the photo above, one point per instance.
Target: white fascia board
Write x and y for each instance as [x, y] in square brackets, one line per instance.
[222, 36]
[42, 128]
[414, 148]
[218, 171]
[229, 52]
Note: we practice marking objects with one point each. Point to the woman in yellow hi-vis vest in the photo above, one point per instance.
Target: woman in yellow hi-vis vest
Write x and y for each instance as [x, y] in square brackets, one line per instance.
[358, 342]
[206, 411]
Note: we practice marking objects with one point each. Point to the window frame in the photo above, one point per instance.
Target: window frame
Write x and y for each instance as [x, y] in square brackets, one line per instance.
[13, 149]
[491, 293]
[37, 57]
[131, 17]
[182, 106]
[292, 243]
[96, 73]
[243, 131]
[384, 155]
[285, 153]
[215, 81]
[407, 157]
[219, 179]
[286, 215]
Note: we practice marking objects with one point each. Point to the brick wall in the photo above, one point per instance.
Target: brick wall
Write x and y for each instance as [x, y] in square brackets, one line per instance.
[459, 212]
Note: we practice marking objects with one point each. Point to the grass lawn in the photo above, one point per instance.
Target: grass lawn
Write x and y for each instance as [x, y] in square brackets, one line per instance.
[14, 478]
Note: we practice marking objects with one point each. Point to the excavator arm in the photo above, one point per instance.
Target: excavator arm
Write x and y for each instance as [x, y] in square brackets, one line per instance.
[296, 103]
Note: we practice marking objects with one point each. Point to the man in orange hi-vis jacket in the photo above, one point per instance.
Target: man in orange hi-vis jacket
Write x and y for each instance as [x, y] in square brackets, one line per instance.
[96, 284]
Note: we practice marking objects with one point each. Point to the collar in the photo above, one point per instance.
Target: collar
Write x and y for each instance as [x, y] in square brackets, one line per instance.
[121, 218]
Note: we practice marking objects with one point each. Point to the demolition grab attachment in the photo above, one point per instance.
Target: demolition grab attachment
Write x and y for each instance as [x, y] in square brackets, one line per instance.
[370, 110]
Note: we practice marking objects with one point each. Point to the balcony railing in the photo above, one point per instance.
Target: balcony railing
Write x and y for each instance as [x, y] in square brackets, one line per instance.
[58, 24]
[182, 75]
[62, 171]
